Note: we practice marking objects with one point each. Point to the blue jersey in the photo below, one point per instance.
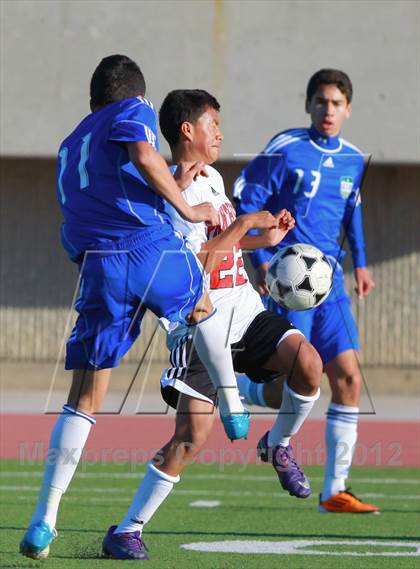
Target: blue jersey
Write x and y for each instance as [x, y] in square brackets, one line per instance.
[102, 196]
[318, 180]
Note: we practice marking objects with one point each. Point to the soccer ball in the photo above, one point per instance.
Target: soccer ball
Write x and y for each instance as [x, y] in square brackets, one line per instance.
[299, 277]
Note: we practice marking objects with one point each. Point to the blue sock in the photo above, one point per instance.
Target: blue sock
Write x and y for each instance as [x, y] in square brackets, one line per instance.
[251, 392]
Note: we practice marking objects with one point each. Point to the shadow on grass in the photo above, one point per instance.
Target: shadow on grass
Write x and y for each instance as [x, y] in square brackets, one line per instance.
[262, 534]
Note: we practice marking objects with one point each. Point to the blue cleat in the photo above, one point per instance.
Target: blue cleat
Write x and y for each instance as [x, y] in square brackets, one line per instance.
[124, 546]
[36, 541]
[289, 472]
[236, 426]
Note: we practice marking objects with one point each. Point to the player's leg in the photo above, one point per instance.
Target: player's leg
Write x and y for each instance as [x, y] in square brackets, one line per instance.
[104, 307]
[88, 390]
[335, 335]
[67, 441]
[194, 422]
[302, 364]
[300, 390]
[342, 418]
[272, 347]
[269, 393]
[210, 341]
[183, 300]
[341, 435]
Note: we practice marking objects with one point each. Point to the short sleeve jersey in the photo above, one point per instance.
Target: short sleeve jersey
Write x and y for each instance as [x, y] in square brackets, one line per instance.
[101, 194]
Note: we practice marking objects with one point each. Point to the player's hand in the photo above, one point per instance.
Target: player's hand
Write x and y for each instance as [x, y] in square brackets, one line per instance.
[284, 223]
[364, 281]
[261, 283]
[285, 220]
[187, 172]
[203, 212]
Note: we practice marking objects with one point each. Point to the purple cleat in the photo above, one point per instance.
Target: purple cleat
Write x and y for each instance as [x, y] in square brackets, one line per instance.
[124, 545]
[289, 472]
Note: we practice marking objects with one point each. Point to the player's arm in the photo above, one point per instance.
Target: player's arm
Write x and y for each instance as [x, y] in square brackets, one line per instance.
[268, 238]
[254, 186]
[271, 236]
[213, 251]
[154, 169]
[257, 183]
[353, 225]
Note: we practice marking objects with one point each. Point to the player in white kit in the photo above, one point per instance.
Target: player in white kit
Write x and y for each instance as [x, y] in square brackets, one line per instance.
[264, 345]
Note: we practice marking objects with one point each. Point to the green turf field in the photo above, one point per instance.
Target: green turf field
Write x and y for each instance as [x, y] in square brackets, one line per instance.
[252, 508]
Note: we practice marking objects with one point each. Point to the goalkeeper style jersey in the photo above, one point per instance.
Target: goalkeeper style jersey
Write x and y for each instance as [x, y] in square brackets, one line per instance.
[317, 179]
[102, 196]
[230, 291]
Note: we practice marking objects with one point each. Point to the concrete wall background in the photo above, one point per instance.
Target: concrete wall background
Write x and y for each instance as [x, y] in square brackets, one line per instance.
[255, 56]
[37, 282]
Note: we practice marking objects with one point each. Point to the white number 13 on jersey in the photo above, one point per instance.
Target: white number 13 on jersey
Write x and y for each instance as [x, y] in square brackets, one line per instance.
[314, 183]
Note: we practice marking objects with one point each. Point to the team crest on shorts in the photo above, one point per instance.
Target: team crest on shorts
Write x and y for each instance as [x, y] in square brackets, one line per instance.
[346, 186]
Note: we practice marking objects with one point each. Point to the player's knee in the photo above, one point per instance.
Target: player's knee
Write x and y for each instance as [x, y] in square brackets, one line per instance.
[310, 365]
[349, 384]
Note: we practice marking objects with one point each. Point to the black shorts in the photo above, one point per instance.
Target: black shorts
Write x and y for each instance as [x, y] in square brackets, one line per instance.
[189, 376]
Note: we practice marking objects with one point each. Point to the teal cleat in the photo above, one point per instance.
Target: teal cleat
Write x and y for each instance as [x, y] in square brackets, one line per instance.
[236, 426]
[36, 541]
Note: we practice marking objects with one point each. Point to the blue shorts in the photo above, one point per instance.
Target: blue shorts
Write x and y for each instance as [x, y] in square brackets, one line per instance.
[330, 327]
[118, 284]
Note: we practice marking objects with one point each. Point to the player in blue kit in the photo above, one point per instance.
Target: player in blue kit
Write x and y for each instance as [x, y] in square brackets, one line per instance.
[116, 229]
[317, 175]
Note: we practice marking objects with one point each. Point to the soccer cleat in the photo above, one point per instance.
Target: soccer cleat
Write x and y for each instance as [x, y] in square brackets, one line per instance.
[345, 503]
[236, 426]
[124, 546]
[36, 541]
[289, 472]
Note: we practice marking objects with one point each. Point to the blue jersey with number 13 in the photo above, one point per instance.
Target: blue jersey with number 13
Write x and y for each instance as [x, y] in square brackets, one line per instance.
[318, 180]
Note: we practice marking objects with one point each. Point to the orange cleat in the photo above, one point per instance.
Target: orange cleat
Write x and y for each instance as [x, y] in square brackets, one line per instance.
[346, 503]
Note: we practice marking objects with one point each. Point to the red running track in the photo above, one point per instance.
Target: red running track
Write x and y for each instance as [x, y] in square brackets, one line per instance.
[133, 439]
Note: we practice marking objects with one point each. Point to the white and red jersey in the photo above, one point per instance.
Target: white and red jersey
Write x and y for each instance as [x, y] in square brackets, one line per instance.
[230, 291]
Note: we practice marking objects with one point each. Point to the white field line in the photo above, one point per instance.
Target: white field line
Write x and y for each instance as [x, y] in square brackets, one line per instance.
[241, 477]
[205, 504]
[309, 547]
[191, 492]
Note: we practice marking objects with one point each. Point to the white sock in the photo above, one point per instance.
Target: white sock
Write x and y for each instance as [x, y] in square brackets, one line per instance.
[292, 413]
[210, 342]
[340, 439]
[153, 490]
[252, 393]
[67, 441]
[47, 507]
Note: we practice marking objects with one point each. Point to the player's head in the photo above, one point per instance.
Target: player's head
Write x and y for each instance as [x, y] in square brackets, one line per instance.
[116, 77]
[189, 120]
[328, 100]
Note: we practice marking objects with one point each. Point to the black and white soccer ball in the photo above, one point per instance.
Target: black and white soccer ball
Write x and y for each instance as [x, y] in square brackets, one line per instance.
[299, 277]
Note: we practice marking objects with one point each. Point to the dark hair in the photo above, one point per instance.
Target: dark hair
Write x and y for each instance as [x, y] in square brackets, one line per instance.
[330, 77]
[116, 77]
[183, 105]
